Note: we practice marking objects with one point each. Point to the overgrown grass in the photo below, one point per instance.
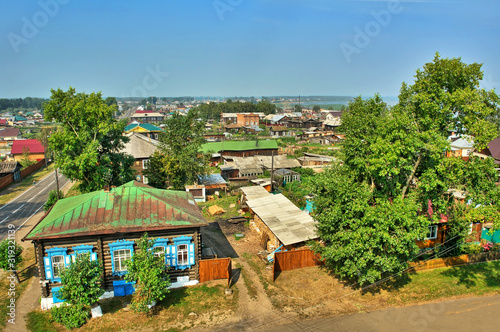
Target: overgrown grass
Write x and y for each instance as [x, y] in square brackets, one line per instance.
[25, 184]
[25, 275]
[252, 290]
[74, 191]
[171, 314]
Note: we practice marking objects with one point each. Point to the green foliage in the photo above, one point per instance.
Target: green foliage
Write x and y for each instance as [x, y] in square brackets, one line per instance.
[316, 108]
[71, 316]
[88, 143]
[25, 159]
[150, 275]
[213, 110]
[365, 238]
[178, 160]
[10, 254]
[395, 171]
[53, 198]
[81, 281]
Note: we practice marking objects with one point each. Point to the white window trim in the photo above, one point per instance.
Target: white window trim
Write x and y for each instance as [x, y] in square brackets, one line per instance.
[183, 260]
[430, 232]
[121, 259]
[60, 266]
[145, 163]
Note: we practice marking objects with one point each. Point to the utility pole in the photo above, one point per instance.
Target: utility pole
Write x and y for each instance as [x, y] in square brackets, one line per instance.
[272, 169]
[57, 184]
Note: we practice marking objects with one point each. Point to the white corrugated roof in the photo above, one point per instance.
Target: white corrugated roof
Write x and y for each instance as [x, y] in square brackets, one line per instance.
[289, 223]
[254, 192]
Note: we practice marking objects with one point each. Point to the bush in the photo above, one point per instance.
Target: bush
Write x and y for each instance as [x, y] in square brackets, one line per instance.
[71, 316]
[52, 199]
[10, 254]
[472, 248]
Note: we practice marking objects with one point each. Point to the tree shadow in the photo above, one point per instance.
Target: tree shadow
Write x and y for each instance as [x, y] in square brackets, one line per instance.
[471, 275]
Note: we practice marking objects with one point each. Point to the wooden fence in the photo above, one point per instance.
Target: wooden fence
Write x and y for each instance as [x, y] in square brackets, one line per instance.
[212, 269]
[455, 261]
[35, 167]
[6, 180]
[294, 259]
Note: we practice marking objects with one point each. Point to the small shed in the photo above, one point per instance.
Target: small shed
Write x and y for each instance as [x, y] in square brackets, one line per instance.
[198, 192]
[281, 222]
[11, 167]
[212, 183]
[286, 176]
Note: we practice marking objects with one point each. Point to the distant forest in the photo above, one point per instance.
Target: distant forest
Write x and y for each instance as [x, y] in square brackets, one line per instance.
[20, 103]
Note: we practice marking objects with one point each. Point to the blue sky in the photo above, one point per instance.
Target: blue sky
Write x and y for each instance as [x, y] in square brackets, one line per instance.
[238, 47]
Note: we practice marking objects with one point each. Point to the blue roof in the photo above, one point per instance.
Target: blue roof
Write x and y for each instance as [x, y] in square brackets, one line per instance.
[211, 179]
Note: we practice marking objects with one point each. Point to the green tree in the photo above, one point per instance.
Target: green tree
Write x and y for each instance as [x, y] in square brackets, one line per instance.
[395, 169]
[178, 160]
[149, 273]
[111, 101]
[81, 281]
[88, 143]
[297, 108]
[316, 108]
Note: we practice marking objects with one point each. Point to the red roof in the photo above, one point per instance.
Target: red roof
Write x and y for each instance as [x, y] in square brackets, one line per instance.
[3, 121]
[10, 132]
[33, 145]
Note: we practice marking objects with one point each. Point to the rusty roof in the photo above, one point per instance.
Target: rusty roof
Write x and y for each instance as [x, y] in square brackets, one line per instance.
[132, 207]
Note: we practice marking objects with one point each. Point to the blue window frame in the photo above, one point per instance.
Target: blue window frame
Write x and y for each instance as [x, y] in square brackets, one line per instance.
[56, 260]
[84, 249]
[182, 253]
[120, 250]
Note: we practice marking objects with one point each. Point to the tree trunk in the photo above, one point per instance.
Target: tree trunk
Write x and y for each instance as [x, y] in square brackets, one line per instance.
[411, 176]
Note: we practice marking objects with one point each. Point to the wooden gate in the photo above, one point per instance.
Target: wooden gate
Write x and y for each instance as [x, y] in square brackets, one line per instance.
[212, 269]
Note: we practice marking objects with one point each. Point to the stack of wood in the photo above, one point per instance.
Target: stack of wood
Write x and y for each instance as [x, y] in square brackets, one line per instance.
[214, 209]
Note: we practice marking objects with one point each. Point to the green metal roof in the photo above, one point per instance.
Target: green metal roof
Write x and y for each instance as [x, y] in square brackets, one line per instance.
[238, 146]
[147, 126]
[132, 207]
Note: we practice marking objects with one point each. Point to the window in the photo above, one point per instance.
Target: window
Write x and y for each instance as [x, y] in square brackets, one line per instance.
[138, 178]
[182, 254]
[145, 163]
[56, 260]
[57, 265]
[120, 250]
[432, 234]
[120, 256]
[158, 251]
[145, 180]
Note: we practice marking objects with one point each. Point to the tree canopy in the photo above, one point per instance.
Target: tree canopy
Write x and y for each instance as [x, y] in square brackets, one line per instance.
[178, 160]
[88, 142]
[375, 206]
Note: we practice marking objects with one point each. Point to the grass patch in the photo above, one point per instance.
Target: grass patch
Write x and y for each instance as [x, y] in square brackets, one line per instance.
[25, 184]
[224, 202]
[252, 291]
[171, 314]
[74, 191]
[25, 275]
[258, 266]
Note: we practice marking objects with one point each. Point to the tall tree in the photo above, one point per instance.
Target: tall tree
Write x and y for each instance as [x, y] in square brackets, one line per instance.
[178, 160]
[87, 144]
[395, 170]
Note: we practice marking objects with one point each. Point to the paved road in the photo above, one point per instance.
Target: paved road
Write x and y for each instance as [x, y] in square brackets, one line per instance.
[24, 206]
[469, 314]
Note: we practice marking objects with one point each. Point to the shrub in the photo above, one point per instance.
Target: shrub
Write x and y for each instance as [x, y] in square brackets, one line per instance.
[71, 316]
[150, 275]
[472, 248]
[10, 254]
[52, 199]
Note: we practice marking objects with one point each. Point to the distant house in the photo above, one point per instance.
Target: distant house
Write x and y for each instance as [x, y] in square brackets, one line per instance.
[284, 176]
[107, 225]
[148, 117]
[8, 135]
[247, 119]
[256, 165]
[280, 222]
[241, 148]
[311, 160]
[461, 148]
[4, 123]
[141, 148]
[493, 151]
[279, 131]
[32, 147]
[212, 183]
[145, 129]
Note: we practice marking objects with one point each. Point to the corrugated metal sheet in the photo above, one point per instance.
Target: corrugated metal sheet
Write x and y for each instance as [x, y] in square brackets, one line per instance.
[130, 207]
[254, 192]
[290, 224]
